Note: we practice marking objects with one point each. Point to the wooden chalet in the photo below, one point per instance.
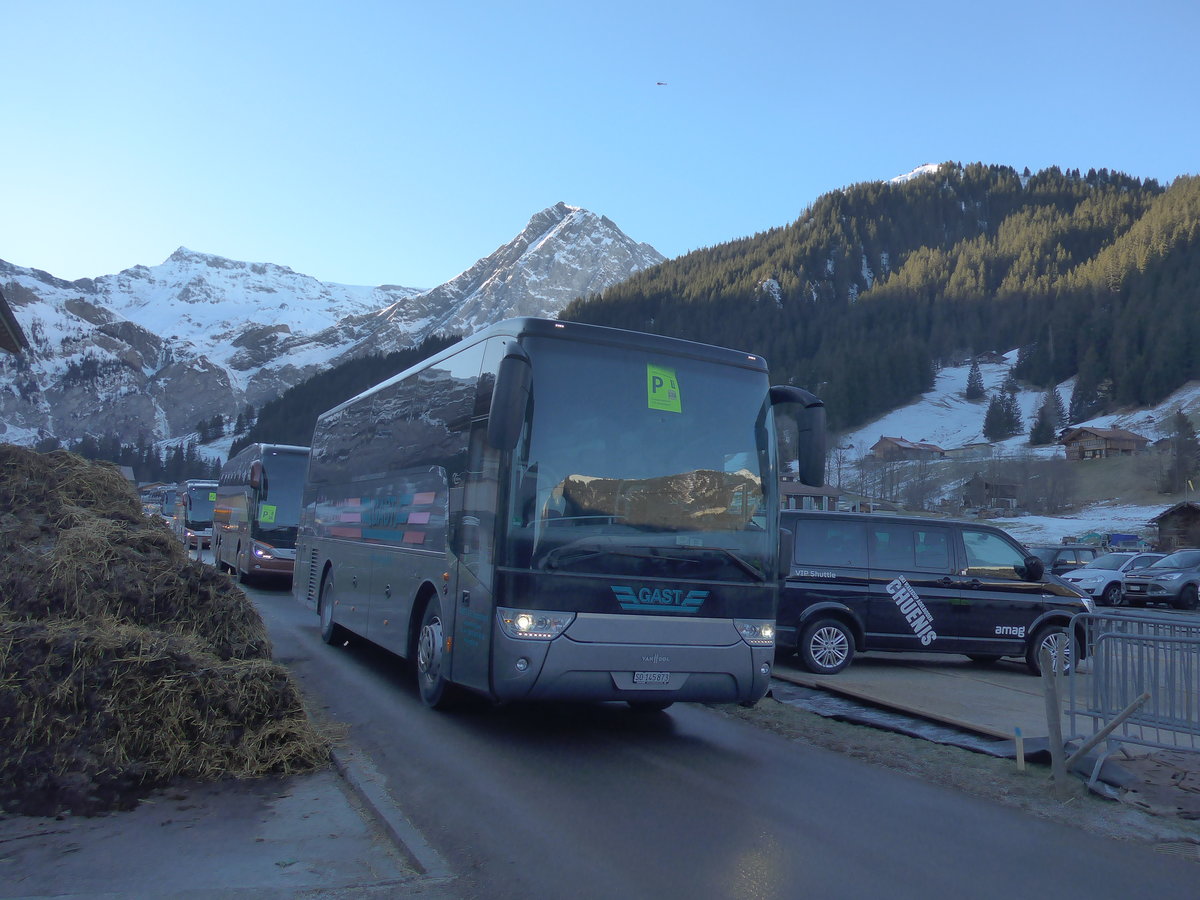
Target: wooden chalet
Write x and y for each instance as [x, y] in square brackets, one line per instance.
[793, 495]
[1099, 443]
[901, 448]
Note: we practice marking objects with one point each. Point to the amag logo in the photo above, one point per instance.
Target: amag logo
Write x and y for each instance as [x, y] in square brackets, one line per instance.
[672, 600]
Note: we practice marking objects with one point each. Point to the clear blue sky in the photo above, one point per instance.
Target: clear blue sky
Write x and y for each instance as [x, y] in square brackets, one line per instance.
[398, 142]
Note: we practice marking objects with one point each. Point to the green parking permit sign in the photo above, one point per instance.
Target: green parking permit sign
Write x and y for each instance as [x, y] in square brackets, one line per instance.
[212, 495]
[266, 513]
[662, 389]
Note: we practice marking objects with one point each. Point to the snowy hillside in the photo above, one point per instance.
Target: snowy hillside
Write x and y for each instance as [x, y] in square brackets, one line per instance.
[945, 418]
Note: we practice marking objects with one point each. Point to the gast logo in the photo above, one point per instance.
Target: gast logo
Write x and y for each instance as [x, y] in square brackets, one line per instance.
[673, 600]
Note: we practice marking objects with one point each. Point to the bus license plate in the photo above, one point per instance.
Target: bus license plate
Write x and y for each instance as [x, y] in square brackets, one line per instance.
[651, 677]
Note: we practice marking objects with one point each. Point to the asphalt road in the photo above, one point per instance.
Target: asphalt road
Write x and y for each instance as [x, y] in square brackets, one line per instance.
[601, 801]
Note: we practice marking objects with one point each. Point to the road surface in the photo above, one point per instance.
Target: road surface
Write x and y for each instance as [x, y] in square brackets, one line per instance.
[600, 801]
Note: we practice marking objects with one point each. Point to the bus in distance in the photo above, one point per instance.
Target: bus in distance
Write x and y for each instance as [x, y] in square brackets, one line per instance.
[557, 511]
[194, 512]
[257, 511]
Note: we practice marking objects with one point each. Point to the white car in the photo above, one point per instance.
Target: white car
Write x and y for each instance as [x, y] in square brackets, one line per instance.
[1104, 577]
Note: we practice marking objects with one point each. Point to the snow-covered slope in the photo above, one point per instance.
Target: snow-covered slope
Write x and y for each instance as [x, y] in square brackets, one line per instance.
[945, 418]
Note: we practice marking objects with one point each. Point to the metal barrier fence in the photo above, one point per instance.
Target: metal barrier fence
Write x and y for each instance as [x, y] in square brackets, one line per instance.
[1132, 654]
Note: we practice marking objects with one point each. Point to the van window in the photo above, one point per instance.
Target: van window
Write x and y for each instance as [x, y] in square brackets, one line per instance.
[829, 543]
[990, 555]
[908, 547]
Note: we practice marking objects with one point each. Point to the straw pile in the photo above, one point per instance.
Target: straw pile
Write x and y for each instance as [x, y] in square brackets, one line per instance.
[123, 663]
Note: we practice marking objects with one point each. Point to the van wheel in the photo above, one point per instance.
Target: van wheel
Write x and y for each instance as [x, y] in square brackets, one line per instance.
[1057, 640]
[1112, 596]
[331, 632]
[1188, 597]
[826, 646]
[436, 691]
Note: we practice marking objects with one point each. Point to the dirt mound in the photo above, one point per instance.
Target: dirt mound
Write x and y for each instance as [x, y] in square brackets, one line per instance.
[123, 663]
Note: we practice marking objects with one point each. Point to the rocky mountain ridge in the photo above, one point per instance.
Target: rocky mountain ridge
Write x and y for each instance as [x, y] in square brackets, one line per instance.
[150, 351]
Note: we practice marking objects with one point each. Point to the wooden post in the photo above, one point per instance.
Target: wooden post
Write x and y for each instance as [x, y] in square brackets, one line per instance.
[1058, 761]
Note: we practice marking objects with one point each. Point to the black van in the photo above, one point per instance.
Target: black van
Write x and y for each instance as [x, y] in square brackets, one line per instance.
[866, 581]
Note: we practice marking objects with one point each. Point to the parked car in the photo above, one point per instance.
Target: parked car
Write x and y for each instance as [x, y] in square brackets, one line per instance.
[1104, 577]
[1174, 579]
[1062, 558]
[861, 581]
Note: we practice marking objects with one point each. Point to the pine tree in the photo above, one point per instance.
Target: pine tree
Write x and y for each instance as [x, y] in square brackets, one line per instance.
[1185, 454]
[1042, 431]
[975, 390]
[995, 424]
[1012, 414]
[1058, 413]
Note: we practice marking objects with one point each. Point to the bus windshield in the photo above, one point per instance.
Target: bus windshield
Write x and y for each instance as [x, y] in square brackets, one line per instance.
[201, 498]
[639, 463]
[280, 497]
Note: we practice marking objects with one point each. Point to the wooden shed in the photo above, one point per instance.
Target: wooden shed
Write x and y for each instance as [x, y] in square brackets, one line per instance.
[978, 491]
[1178, 527]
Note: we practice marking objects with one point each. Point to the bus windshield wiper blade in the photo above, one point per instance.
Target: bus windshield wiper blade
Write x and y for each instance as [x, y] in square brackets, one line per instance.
[744, 564]
[573, 552]
[557, 558]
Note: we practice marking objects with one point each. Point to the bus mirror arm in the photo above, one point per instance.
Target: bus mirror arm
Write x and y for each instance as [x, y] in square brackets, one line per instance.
[510, 398]
[808, 411]
[786, 547]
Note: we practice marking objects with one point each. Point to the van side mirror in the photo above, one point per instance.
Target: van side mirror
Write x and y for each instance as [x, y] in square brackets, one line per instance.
[1033, 570]
[787, 548]
[510, 398]
[800, 422]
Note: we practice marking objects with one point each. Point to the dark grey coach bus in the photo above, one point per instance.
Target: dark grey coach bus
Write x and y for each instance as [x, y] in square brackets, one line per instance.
[257, 511]
[556, 511]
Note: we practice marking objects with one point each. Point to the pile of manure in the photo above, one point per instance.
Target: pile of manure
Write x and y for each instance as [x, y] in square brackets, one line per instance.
[123, 663]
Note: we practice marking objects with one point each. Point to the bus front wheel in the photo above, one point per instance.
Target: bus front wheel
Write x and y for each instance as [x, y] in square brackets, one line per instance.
[436, 691]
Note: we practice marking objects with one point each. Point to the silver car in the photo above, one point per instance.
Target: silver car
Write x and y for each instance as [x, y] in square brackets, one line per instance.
[1104, 577]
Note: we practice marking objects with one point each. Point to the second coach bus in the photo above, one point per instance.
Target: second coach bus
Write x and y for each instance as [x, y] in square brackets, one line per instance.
[257, 511]
[551, 510]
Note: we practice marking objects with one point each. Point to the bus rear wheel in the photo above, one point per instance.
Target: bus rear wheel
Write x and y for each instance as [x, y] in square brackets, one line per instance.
[436, 691]
[330, 630]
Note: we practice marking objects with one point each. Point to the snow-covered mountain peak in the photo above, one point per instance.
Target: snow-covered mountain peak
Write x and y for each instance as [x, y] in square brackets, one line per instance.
[151, 350]
[926, 169]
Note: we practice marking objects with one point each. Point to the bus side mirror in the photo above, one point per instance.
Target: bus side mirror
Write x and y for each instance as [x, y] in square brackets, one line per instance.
[255, 474]
[787, 548]
[800, 419]
[510, 399]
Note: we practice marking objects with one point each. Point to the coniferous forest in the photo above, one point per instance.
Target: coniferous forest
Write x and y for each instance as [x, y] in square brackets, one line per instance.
[875, 286]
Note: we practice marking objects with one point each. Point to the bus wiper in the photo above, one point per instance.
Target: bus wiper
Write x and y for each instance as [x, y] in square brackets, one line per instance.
[744, 564]
[574, 552]
[557, 558]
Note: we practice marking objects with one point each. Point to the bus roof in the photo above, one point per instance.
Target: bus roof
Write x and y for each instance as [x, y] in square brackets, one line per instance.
[596, 334]
[259, 448]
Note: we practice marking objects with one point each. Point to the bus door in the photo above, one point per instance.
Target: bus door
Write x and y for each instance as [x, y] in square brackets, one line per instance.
[474, 495]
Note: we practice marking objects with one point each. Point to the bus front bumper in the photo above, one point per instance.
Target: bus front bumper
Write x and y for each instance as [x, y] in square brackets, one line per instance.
[589, 663]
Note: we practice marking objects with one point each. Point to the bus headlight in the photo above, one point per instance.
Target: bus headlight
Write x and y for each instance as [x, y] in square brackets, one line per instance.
[533, 624]
[263, 551]
[757, 633]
